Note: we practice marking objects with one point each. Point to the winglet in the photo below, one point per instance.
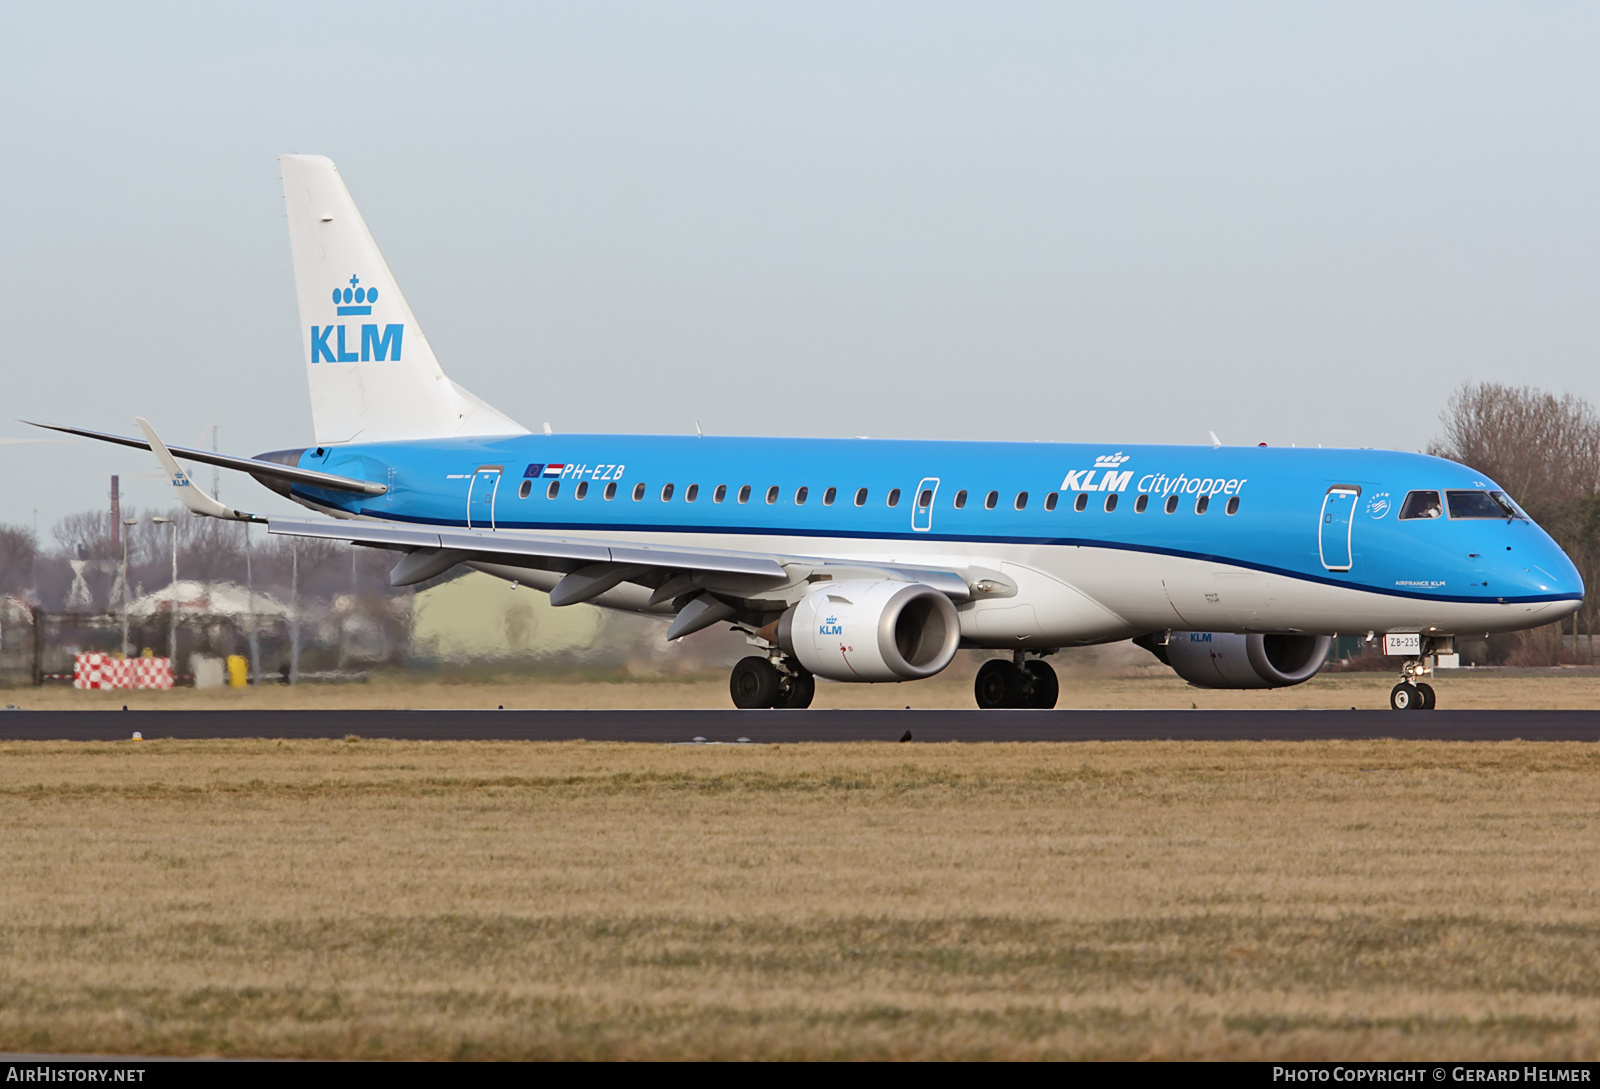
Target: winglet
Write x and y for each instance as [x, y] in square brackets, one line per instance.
[193, 498]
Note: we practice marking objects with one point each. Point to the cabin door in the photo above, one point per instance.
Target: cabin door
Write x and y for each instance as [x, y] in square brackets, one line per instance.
[480, 497]
[1338, 519]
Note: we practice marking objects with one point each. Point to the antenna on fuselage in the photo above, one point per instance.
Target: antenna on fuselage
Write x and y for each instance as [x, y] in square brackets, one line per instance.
[547, 430]
[697, 430]
[1216, 443]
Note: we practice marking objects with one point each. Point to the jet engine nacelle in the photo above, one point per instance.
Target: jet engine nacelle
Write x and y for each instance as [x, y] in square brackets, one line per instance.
[1209, 659]
[871, 630]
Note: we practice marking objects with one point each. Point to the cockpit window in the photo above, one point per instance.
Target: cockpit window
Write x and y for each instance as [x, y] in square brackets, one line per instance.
[1506, 501]
[1421, 505]
[1481, 505]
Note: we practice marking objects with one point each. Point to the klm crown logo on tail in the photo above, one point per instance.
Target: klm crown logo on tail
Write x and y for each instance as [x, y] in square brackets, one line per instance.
[357, 295]
[355, 301]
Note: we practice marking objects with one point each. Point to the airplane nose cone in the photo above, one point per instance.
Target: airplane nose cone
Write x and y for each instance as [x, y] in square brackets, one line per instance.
[1541, 570]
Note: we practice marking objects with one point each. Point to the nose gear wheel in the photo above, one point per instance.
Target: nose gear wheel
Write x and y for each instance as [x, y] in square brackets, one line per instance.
[1406, 696]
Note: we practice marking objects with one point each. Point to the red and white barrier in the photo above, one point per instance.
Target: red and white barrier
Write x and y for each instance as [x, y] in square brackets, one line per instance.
[96, 670]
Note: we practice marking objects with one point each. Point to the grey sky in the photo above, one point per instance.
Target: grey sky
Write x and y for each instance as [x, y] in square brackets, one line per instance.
[1114, 223]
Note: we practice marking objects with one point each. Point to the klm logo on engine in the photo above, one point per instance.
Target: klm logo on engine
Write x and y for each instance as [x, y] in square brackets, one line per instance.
[1106, 467]
[830, 626]
[329, 343]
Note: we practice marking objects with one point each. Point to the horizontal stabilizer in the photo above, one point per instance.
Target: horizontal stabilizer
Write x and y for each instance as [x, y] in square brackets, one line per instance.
[253, 466]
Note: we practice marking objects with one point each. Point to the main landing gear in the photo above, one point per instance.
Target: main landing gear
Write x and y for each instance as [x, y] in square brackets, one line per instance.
[759, 682]
[1021, 682]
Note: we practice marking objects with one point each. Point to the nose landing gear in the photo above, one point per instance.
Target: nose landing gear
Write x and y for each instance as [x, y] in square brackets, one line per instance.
[1413, 694]
[1406, 696]
[1021, 682]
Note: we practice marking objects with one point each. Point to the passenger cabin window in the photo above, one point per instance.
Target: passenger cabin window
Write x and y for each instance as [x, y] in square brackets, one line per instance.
[1051, 500]
[720, 494]
[1111, 502]
[1082, 502]
[1022, 500]
[894, 497]
[744, 494]
[925, 497]
[1202, 504]
[800, 496]
[861, 497]
[691, 493]
[611, 491]
[1421, 505]
[553, 490]
[1140, 504]
[772, 494]
[1481, 505]
[638, 492]
[1172, 504]
[1233, 506]
[666, 493]
[526, 489]
[961, 499]
[829, 496]
[583, 489]
[990, 500]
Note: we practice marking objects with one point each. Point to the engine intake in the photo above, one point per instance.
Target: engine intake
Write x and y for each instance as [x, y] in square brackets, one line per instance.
[1209, 659]
[872, 630]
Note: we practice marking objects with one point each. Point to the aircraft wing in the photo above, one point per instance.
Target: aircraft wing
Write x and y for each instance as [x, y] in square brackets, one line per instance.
[547, 553]
[690, 579]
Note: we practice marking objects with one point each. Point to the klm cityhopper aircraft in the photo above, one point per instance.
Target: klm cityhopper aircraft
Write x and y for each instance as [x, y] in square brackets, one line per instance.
[866, 560]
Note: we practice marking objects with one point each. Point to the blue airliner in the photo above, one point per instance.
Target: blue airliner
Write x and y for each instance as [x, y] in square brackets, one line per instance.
[873, 560]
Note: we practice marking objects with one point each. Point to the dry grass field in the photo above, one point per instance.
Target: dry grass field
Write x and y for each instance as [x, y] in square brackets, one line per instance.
[482, 900]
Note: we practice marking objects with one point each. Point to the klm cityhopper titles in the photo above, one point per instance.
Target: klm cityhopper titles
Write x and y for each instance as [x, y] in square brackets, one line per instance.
[875, 561]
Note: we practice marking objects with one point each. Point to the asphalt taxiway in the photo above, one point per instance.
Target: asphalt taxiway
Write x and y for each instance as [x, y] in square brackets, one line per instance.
[802, 726]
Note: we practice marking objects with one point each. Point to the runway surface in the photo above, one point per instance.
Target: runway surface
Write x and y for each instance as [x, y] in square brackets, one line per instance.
[796, 726]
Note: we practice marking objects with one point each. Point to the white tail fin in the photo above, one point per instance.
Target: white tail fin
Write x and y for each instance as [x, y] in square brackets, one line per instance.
[373, 375]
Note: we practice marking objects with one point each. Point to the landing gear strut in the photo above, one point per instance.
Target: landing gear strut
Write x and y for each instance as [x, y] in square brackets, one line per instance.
[1021, 682]
[759, 682]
